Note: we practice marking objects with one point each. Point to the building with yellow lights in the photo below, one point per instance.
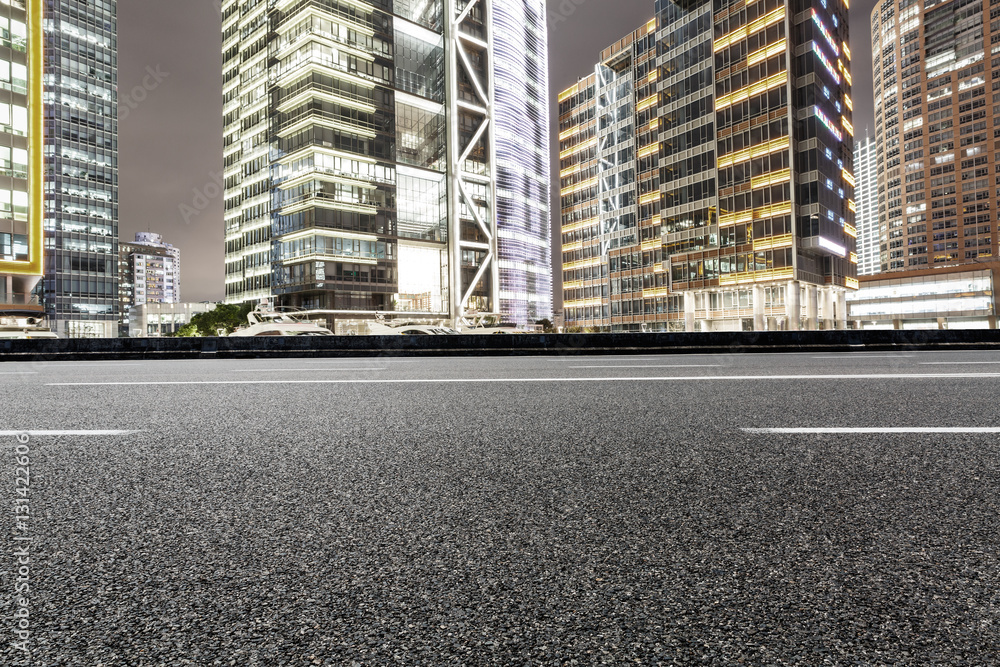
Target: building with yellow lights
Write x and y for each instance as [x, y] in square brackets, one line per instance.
[935, 66]
[740, 175]
[375, 151]
[21, 131]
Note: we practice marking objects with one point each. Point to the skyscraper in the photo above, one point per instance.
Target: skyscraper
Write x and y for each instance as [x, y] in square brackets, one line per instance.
[81, 168]
[866, 197]
[609, 133]
[521, 81]
[21, 170]
[934, 124]
[367, 146]
[751, 211]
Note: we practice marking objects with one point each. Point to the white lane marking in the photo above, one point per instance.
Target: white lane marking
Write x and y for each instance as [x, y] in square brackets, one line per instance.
[899, 429]
[690, 378]
[91, 363]
[848, 355]
[612, 357]
[956, 363]
[77, 433]
[303, 370]
[653, 366]
[352, 360]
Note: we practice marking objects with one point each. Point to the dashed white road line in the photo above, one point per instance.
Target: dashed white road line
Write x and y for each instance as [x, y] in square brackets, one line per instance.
[956, 363]
[304, 370]
[849, 355]
[890, 430]
[652, 366]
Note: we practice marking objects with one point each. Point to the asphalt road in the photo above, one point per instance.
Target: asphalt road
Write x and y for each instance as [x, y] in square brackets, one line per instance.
[514, 511]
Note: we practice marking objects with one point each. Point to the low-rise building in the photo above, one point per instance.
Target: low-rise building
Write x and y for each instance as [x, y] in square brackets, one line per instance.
[156, 320]
[958, 297]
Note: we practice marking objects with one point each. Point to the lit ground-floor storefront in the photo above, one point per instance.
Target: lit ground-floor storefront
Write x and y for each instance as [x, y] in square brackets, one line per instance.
[775, 306]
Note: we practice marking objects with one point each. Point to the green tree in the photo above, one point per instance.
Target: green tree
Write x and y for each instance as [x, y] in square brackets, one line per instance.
[224, 316]
[186, 331]
[546, 325]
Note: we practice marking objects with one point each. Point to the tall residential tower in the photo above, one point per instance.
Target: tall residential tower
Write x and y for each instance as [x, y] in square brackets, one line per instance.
[376, 160]
[866, 196]
[935, 67]
[150, 272]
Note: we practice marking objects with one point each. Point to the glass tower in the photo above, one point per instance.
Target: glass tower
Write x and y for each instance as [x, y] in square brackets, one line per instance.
[81, 168]
[522, 134]
[363, 160]
[20, 156]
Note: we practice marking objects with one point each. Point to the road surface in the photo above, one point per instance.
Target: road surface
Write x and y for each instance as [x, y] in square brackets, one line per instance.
[799, 509]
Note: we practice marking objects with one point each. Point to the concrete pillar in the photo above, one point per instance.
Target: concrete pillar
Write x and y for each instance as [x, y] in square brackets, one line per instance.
[993, 321]
[942, 323]
[757, 293]
[772, 324]
[825, 308]
[793, 305]
[812, 308]
[820, 306]
[897, 324]
[689, 312]
[841, 309]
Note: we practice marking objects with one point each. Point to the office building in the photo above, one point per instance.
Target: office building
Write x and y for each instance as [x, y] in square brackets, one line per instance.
[373, 163]
[746, 220]
[866, 198]
[609, 178]
[81, 166]
[21, 168]
[150, 272]
[935, 124]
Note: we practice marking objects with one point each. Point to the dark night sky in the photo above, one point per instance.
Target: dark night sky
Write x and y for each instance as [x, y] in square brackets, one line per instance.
[170, 130]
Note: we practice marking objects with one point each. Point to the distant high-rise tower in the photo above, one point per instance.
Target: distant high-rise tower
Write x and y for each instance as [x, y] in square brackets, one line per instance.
[866, 197]
[81, 165]
[707, 178]
[377, 158]
[150, 272]
[21, 136]
[935, 125]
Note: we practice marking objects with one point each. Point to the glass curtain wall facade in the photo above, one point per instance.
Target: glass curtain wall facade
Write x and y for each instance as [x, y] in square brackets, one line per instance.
[935, 117]
[21, 130]
[610, 183]
[754, 155]
[81, 168]
[867, 204]
[361, 156]
[521, 84]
